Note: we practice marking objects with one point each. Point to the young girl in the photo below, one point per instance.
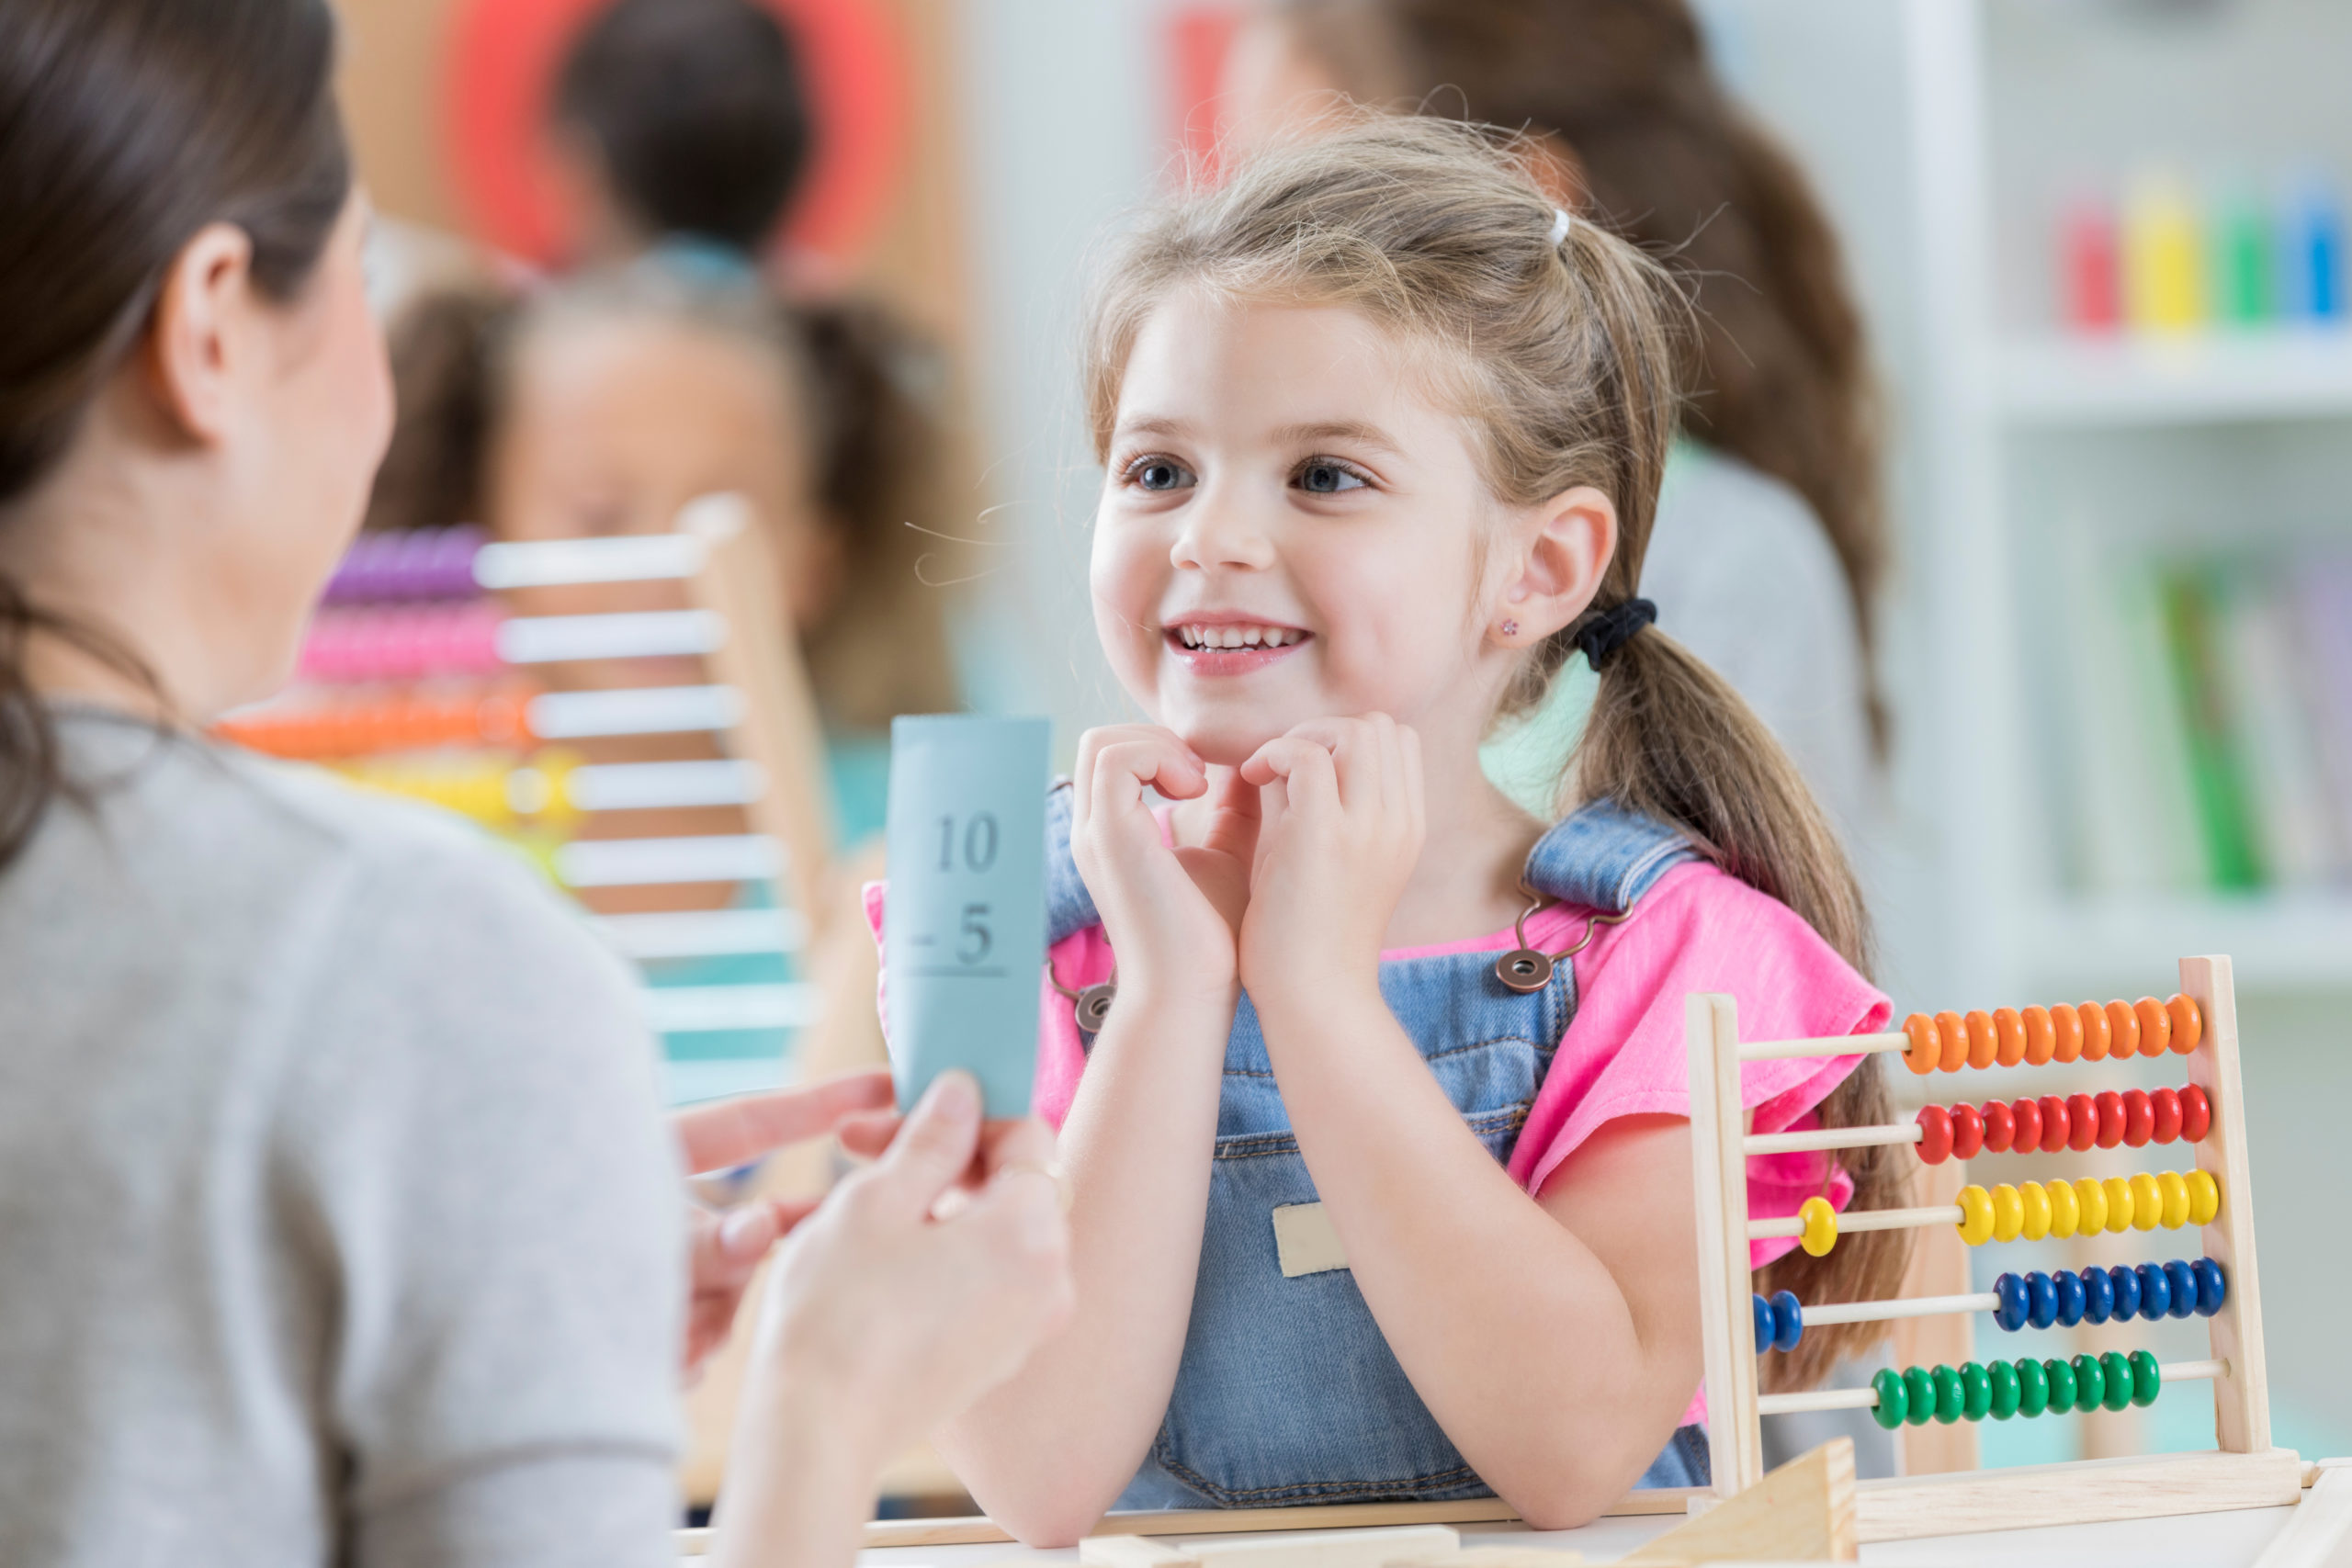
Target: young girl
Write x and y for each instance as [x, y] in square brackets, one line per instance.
[1379, 1151]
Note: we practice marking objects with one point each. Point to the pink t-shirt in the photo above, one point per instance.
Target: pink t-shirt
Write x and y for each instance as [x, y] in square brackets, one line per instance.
[1623, 1053]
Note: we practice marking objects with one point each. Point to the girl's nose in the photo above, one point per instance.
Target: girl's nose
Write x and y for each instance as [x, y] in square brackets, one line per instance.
[1226, 536]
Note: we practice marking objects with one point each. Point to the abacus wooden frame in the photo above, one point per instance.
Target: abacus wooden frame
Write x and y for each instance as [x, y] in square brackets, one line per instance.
[2244, 1471]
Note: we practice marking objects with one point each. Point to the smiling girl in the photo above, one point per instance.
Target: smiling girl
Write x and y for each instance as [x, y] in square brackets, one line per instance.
[1380, 1150]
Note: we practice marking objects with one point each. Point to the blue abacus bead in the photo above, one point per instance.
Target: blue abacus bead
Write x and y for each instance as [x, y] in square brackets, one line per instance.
[2127, 1292]
[1788, 1320]
[2155, 1290]
[1764, 1325]
[2010, 1312]
[2099, 1296]
[2184, 1287]
[2042, 1297]
[2069, 1297]
[2212, 1286]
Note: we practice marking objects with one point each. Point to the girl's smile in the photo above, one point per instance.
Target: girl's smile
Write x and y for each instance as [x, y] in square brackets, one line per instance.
[1227, 642]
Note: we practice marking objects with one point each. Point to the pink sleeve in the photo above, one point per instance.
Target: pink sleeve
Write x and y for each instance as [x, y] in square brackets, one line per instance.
[1624, 1053]
[1077, 962]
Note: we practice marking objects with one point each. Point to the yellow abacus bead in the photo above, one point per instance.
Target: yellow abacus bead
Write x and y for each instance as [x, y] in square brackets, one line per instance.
[2204, 1197]
[1976, 1215]
[2119, 1203]
[2090, 1197]
[2175, 1192]
[2065, 1209]
[2036, 1201]
[2147, 1203]
[2008, 1212]
[1820, 1225]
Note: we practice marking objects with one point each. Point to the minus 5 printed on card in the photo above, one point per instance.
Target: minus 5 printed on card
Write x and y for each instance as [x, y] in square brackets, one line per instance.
[964, 927]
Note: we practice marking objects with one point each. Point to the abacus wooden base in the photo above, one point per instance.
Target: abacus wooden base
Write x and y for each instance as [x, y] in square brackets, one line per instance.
[2078, 1492]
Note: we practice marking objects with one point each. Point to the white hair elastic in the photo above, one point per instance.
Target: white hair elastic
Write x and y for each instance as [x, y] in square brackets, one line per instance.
[1559, 224]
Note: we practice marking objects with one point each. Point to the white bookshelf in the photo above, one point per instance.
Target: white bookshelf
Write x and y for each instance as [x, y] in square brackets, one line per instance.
[2119, 382]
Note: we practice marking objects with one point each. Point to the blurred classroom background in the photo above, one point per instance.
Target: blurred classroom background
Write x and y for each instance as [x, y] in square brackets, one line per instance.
[2099, 245]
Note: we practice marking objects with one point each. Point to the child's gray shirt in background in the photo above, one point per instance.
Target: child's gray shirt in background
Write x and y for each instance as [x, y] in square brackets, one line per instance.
[338, 1222]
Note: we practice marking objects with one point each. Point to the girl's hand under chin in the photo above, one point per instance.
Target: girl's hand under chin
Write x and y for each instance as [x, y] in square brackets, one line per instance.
[1343, 827]
[1172, 914]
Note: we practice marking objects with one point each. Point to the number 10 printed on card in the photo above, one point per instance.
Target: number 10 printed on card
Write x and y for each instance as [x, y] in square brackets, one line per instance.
[963, 930]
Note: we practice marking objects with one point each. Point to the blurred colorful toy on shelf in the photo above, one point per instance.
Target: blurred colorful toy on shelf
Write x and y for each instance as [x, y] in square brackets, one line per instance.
[530, 689]
[2170, 258]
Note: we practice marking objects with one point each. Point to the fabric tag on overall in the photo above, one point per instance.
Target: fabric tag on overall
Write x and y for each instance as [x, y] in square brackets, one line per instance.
[1306, 1241]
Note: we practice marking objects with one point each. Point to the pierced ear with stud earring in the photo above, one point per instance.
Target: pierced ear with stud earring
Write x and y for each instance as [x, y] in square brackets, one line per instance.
[1510, 628]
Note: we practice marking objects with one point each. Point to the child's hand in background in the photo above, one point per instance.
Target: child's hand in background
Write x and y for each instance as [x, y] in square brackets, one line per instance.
[1171, 915]
[1341, 799]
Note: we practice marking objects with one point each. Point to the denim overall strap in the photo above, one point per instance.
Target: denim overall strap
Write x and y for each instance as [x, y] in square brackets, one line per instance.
[1070, 908]
[1287, 1391]
[1602, 857]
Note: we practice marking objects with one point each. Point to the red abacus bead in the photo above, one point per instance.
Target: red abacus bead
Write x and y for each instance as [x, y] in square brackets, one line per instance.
[2000, 1127]
[2139, 1118]
[2163, 1108]
[2196, 1114]
[2055, 1124]
[2110, 1119]
[1935, 1134]
[2027, 1113]
[2081, 1122]
[1967, 1131]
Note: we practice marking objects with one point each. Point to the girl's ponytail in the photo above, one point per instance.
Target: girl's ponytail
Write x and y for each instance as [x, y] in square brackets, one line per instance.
[1668, 736]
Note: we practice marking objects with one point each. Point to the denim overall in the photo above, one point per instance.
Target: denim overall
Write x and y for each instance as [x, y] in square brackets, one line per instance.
[1287, 1392]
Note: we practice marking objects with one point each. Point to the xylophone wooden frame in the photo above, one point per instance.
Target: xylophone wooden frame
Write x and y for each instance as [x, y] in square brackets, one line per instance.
[2243, 1472]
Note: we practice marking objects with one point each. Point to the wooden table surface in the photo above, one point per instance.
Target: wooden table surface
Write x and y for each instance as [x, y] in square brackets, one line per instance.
[2201, 1540]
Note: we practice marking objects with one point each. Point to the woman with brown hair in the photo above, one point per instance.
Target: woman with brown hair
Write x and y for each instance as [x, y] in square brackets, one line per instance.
[1770, 539]
[337, 1219]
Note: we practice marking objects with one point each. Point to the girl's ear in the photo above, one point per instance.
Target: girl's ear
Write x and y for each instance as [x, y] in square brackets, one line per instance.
[1560, 568]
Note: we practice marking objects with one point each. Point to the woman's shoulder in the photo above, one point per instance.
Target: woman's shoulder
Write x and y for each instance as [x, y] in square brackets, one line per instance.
[1728, 530]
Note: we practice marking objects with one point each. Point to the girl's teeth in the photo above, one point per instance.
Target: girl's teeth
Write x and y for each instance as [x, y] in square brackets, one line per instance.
[1235, 637]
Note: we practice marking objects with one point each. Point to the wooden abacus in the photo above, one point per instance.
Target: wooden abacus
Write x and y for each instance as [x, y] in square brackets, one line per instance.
[415, 679]
[2199, 1024]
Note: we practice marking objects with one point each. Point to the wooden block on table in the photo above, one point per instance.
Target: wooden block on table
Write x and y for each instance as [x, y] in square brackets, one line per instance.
[1801, 1512]
[1132, 1551]
[2320, 1534]
[1328, 1549]
[2081, 1492]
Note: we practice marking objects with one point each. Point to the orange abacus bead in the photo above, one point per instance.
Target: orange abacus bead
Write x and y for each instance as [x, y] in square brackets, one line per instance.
[2095, 1033]
[1954, 1035]
[2156, 1026]
[2039, 1041]
[2008, 1034]
[2188, 1023]
[2066, 1031]
[1927, 1052]
[1981, 1044]
[2123, 1030]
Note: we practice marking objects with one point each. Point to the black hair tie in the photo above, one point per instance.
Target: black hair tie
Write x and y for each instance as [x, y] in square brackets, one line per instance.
[1606, 631]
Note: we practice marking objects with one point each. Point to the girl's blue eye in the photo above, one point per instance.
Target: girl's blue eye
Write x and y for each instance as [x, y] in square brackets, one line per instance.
[1159, 474]
[1320, 477]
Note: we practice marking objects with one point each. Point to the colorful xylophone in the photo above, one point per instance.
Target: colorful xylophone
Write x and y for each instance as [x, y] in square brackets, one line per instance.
[2205, 1113]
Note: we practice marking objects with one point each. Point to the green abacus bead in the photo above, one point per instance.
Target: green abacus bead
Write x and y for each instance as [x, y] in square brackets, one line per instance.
[2090, 1383]
[2116, 1368]
[1919, 1396]
[1975, 1392]
[2146, 1380]
[2003, 1375]
[1949, 1397]
[2034, 1387]
[2062, 1385]
[1891, 1400]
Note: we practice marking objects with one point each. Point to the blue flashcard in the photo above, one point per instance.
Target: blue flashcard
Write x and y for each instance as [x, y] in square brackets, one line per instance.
[964, 929]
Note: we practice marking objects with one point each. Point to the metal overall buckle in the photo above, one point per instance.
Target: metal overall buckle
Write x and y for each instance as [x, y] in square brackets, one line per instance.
[1090, 1006]
[1524, 969]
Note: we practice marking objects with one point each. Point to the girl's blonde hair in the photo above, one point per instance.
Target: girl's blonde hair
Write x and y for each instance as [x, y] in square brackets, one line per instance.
[1560, 354]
